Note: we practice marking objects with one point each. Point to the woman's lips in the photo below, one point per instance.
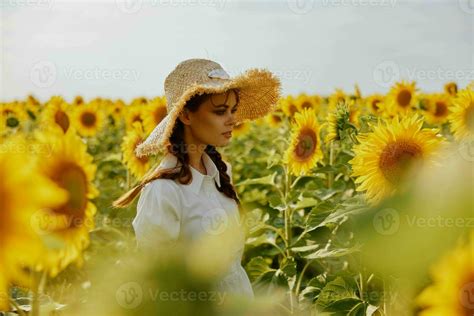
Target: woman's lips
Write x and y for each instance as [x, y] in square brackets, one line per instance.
[228, 134]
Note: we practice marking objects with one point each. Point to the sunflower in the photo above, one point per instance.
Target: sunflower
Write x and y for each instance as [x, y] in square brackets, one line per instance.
[274, 119]
[304, 101]
[56, 115]
[13, 115]
[402, 98]
[66, 162]
[88, 119]
[451, 88]
[289, 106]
[462, 114]
[438, 108]
[32, 106]
[338, 97]
[133, 114]
[154, 113]
[137, 166]
[139, 101]
[241, 129]
[375, 103]
[23, 191]
[78, 100]
[452, 290]
[385, 156]
[116, 110]
[304, 151]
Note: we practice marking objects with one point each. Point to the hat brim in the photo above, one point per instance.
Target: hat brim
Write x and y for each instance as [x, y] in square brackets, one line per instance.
[259, 91]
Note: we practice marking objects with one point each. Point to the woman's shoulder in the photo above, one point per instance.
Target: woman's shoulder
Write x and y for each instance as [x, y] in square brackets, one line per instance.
[165, 186]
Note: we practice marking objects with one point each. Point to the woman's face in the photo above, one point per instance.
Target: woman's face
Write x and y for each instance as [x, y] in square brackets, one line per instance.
[214, 120]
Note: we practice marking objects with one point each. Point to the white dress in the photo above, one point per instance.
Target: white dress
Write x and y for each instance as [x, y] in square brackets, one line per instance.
[168, 211]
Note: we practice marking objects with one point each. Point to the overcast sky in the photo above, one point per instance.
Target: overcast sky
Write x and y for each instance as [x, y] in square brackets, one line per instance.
[125, 49]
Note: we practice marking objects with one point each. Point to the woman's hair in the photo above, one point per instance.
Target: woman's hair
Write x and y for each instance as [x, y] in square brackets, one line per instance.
[182, 173]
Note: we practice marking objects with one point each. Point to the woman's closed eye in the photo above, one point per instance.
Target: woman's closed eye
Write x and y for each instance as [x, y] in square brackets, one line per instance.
[222, 112]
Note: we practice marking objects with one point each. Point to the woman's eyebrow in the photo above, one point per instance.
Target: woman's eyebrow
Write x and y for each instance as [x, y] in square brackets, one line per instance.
[225, 105]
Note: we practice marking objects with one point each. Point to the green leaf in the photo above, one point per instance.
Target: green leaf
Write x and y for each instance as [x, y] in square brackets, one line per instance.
[257, 267]
[332, 253]
[334, 292]
[267, 180]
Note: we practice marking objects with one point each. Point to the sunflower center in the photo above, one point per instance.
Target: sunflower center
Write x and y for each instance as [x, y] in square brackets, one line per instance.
[88, 119]
[441, 109]
[293, 109]
[307, 141]
[375, 105]
[72, 178]
[404, 98]
[306, 105]
[160, 113]
[62, 120]
[469, 116]
[137, 118]
[12, 122]
[397, 159]
[276, 118]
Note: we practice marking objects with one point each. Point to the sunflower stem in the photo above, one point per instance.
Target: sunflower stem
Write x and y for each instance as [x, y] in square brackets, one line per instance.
[300, 278]
[35, 289]
[331, 162]
[128, 179]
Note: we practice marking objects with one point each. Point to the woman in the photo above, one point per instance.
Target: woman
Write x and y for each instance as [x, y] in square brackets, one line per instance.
[191, 194]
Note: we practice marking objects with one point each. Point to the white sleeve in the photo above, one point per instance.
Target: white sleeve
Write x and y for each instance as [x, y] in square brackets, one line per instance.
[158, 215]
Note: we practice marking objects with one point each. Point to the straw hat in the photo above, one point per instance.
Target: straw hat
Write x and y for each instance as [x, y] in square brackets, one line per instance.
[259, 91]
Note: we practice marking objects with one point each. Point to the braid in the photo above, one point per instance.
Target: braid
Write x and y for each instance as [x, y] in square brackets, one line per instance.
[226, 186]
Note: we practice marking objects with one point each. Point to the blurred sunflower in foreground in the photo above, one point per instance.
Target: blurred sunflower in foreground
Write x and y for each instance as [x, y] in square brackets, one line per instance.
[462, 114]
[304, 151]
[385, 156]
[65, 228]
[452, 291]
[137, 166]
[23, 191]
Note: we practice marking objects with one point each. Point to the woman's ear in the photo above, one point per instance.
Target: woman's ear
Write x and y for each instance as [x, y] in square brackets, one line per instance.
[184, 117]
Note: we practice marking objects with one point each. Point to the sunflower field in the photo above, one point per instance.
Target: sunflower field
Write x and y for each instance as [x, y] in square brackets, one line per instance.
[351, 204]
